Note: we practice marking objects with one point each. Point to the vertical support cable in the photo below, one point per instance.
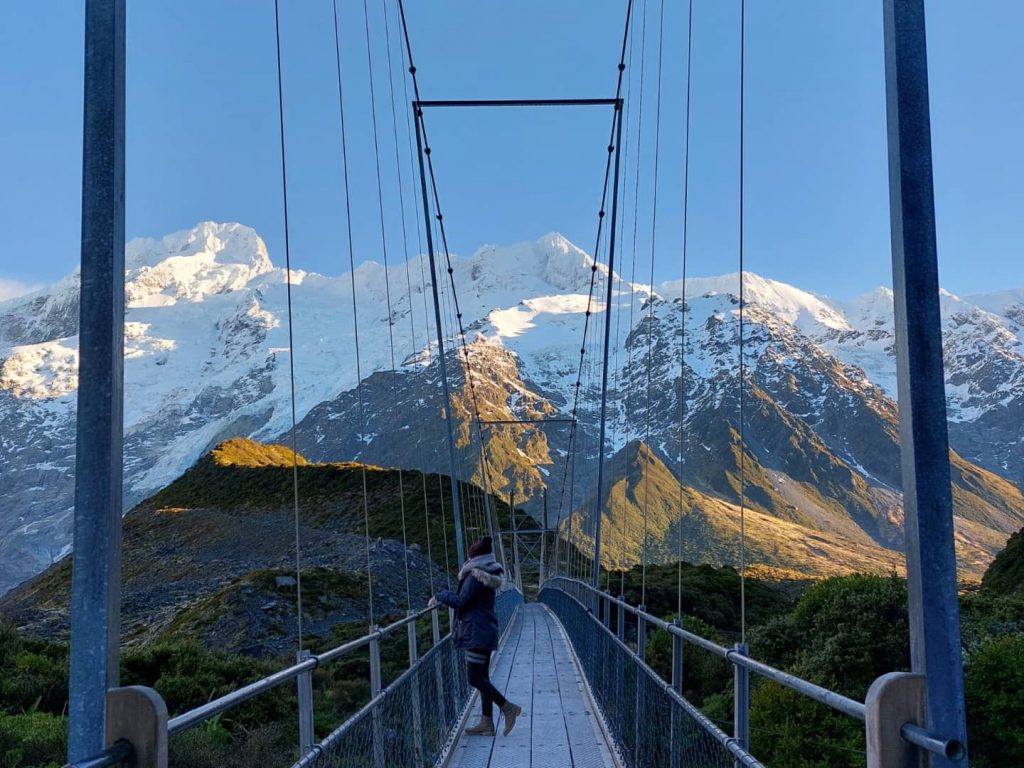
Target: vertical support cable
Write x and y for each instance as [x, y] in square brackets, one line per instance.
[935, 647]
[376, 685]
[682, 310]
[355, 305]
[291, 327]
[604, 362]
[417, 712]
[99, 447]
[460, 549]
[743, 370]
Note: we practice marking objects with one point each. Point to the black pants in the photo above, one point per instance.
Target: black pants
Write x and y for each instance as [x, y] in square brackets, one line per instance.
[477, 663]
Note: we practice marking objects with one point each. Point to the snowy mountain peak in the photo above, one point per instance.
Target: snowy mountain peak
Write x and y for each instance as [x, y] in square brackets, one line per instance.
[800, 308]
[189, 265]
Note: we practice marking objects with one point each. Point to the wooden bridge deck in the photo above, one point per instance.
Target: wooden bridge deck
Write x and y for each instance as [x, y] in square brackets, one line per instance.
[558, 728]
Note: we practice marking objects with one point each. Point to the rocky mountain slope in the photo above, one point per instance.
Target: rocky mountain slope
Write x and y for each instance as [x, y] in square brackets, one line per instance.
[207, 358]
[213, 553]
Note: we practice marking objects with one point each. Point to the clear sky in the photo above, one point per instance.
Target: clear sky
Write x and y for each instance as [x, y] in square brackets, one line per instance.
[203, 142]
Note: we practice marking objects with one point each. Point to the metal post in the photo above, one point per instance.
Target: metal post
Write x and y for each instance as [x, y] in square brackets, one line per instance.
[677, 685]
[435, 625]
[96, 580]
[460, 550]
[677, 659]
[515, 536]
[138, 715]
[641, 635]
[641, 703]
[620, 624]
[569, 547]
[544, 542]
[924, 444]
[375, 689]
[304, 686]
[741, 702]
[558, 545]
[417, 712]
[607, 340]
[892, 700]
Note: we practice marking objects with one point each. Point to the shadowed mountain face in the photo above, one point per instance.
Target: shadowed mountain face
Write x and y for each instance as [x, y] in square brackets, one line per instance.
[212, 555]
[207, 358]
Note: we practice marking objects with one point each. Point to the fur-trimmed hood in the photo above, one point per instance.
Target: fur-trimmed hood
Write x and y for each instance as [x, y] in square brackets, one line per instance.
[484, 569]
[492, 577]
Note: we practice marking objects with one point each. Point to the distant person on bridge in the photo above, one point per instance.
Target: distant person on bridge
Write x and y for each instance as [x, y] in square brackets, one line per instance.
[476, 630]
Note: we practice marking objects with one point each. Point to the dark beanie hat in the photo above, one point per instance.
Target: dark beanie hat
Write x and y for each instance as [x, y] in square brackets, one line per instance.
[482, 547]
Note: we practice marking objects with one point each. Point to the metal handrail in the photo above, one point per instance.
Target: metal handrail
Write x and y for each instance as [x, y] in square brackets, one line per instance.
[334, 736]
[196, 716]
[743, 757]
[117, 753]
[913, 733]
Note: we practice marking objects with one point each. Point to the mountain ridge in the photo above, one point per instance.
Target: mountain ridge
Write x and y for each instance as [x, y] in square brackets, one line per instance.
[207, 359]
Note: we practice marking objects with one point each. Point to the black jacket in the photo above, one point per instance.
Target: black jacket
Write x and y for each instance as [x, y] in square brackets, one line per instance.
[476, 624]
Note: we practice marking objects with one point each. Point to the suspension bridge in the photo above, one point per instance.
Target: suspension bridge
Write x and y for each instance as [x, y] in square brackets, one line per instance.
[576, 655]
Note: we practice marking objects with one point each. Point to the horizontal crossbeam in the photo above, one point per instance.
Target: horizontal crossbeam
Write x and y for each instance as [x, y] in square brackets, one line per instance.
[487, 423]
[519, 103]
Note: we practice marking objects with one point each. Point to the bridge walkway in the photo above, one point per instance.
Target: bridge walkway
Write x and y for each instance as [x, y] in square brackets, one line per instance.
[559, 727]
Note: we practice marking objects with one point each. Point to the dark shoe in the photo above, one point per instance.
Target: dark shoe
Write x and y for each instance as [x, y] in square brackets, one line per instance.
[484, 728]
[511, 712]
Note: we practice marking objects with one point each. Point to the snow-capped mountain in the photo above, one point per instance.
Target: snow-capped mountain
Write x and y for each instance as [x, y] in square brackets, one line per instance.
[207, 357]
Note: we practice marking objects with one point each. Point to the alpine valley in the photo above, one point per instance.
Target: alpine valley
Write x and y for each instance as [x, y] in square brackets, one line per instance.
[207, 358]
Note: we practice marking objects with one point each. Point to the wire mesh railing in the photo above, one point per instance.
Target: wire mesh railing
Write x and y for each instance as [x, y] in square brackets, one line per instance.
[666, 728]
[412, 721]
[651, 724]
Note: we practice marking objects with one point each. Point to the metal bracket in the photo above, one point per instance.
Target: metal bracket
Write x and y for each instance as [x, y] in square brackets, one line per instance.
[892, 700]
[138, 715]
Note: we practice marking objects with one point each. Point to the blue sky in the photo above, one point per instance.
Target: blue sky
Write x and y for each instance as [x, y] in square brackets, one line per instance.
[202, 131]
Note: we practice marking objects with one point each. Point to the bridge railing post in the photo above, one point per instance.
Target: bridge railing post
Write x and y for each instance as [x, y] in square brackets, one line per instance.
[417, 713]
[375, 689]
[435, 625]
[139, 716]
[677, 659]
[606, 601]
[892, 700]
[641, 703]
[677, 686]
[304, 690]
[641, 634]
[741, 701]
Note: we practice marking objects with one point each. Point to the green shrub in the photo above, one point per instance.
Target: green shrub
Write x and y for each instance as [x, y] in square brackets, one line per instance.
[33, 674]
[35, 740]
[844, 633]
[994, 687]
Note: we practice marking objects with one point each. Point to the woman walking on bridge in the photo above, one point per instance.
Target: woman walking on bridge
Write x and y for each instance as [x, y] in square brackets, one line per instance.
[476, 630]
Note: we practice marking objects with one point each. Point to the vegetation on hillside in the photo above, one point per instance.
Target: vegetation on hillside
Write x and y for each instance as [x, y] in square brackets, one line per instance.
[841, 632]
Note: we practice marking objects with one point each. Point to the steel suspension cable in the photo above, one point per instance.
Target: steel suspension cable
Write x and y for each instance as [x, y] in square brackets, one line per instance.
[743, 443]
[398, 169]
[291, 324]
[439, 216]
[409, 280]
[387, 288]
[361, 410]
[682, 314]
[619, 373]
[632, 287]
[600, 226]
[654, 240]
